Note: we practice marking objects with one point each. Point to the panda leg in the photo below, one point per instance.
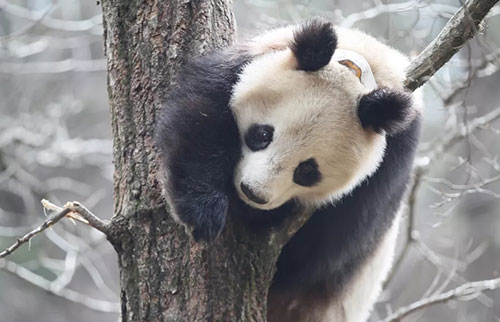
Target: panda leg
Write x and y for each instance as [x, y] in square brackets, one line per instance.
[199, 199]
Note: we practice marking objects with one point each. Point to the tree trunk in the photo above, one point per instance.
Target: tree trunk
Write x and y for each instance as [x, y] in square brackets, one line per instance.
[165, 276]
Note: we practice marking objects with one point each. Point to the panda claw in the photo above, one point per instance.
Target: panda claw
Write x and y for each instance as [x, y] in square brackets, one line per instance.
[205, 216]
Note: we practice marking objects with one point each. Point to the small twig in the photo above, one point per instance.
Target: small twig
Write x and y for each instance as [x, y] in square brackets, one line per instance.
[81, 214]
[46, 224]
[460, 28]
[455, 136]
[466, 291]
[40, 16]
[72, 210]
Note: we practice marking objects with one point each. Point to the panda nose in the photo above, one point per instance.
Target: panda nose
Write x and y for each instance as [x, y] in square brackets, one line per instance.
[251, 195]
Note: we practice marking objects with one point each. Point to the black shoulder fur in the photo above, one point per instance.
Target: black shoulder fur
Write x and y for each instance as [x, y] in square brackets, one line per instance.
[199, 142]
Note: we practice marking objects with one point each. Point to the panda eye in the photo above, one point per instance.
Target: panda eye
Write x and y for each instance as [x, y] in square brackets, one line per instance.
[259, 136]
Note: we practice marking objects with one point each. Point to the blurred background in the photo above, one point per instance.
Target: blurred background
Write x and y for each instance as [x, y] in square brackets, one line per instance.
[55, 143]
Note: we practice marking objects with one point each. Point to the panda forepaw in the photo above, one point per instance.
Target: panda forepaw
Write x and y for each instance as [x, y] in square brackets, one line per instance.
[386, 110]
[204, 215]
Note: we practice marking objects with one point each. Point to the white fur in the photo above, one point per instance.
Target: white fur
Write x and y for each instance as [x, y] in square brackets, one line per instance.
[388, 64]
[366, 286]
[275, 39]
[314, 116]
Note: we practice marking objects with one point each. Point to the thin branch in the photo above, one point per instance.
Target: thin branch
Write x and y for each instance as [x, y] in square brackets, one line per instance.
[423, 167]
[26, 238]
[53, 67]
[460, 28]
[453, 137]
[40, 16]
[81, 213]
[29, 26]
[73, 210]
[51, 287]
[465, 292]
[381, 8]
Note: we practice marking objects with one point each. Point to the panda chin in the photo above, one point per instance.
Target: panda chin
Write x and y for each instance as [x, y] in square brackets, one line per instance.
[267, 206]
[308, 200]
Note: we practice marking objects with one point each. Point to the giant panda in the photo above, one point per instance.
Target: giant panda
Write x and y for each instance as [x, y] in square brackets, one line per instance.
[309, 115]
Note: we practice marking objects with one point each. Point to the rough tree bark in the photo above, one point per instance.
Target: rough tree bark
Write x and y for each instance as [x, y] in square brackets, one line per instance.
[164, 275]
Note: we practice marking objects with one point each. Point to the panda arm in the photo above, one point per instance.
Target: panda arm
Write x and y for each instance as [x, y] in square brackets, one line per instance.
[199, 143]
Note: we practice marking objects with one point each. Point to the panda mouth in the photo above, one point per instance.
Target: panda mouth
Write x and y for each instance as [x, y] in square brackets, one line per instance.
[266, 206]
[261, 204]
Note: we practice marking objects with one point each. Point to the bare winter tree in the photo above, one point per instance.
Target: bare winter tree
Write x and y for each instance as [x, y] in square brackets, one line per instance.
[164, 275]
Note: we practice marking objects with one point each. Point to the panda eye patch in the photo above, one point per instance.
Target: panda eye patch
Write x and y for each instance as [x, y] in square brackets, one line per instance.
[307, 173]
[259, 136]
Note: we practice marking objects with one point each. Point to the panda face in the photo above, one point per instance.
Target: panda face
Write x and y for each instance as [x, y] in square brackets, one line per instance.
[300, 132]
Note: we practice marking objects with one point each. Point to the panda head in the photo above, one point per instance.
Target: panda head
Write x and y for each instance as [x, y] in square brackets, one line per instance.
[311, 121]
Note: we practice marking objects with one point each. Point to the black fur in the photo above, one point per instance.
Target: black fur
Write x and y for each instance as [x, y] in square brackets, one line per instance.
[199, 141]
[255, 139]
[307, 173]
[199, 145]
[385, 110]
[324, 254]
[313, 45]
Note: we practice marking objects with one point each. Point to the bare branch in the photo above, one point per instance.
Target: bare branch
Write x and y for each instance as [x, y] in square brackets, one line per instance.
[52, 287]
[26, 238]
[73, 210]
[81, 213]
[381, 8]
[53, 23]
[462, 26]
[422, 168]
[465, 292]
[453, 137]
[53, 67]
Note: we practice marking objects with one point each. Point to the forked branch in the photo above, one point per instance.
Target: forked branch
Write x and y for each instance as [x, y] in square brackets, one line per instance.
[73, 210]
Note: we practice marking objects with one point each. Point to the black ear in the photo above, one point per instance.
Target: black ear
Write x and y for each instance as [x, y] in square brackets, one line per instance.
[386, 110]
[313, 45]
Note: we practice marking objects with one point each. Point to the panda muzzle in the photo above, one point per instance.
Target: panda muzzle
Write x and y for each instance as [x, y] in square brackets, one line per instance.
[251, 195]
